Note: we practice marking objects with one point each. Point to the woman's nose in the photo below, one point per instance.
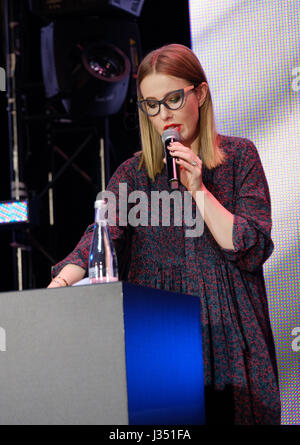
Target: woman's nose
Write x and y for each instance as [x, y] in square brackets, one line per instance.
[165, 113]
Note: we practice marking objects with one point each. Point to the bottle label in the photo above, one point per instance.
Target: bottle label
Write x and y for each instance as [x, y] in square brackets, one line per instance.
[96, 277]
[103, 280]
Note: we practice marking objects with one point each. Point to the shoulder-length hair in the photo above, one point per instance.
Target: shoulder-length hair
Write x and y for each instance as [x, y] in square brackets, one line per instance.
[177, 61]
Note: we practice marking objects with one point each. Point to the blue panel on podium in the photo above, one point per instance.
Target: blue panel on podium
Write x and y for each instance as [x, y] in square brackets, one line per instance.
[164, 365]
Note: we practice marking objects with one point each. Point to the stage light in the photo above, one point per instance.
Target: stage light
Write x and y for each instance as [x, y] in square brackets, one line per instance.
[14, 212]
[19, 212]
[102, 92]
[54, 8]
[104, 61]
[86, 64]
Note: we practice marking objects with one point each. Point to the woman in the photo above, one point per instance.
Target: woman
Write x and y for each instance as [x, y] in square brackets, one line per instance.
[223, 266]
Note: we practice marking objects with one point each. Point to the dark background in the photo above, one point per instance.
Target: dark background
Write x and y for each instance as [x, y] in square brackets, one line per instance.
[161, 22]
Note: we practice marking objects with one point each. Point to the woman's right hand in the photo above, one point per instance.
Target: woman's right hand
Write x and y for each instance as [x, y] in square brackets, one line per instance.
[57, 282]
[68, 275]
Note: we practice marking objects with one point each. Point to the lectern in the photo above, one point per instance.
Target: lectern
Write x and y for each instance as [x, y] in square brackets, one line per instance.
[110, 354]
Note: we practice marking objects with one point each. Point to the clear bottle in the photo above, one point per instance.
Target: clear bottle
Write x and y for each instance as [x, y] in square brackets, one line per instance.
[103, 265]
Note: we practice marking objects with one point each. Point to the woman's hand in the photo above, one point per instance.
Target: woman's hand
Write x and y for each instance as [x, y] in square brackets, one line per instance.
[190, 166]
[68, 275]
[217, 218]
[58, 282]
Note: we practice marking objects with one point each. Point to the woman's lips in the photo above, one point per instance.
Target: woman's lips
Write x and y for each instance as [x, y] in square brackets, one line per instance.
[178, 126]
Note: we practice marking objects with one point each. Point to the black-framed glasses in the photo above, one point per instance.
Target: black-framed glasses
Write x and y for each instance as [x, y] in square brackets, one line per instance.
[173, 101]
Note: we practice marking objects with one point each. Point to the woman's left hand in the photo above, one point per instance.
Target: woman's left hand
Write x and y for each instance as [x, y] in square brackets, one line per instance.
[190, 166]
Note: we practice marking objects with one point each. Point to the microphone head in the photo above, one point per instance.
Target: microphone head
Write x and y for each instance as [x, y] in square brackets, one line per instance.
[171, 133]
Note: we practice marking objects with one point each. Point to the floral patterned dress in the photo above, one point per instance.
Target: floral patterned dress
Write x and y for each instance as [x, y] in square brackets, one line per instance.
[241, 381]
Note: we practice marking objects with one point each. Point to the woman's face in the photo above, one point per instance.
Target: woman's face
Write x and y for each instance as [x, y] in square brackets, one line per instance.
[157, 86]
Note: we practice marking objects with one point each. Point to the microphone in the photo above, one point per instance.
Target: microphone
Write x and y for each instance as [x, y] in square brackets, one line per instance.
[171, 135]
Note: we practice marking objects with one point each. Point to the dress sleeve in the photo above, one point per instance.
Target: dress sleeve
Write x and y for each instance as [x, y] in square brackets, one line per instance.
[252, 213]
[119, 234]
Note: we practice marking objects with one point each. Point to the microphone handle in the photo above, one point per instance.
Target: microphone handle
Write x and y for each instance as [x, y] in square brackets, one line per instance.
[172, 167]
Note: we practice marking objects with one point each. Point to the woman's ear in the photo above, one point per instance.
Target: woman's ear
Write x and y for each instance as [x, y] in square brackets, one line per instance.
[201, 92]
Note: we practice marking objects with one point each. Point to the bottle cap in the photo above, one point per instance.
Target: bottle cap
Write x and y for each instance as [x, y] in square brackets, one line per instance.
[100, 203]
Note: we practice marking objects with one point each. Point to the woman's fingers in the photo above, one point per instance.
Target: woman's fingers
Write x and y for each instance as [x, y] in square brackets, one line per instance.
[184, 153]
[187, 165]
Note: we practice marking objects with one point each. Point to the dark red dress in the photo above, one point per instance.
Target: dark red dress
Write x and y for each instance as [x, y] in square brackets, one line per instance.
[239, 356]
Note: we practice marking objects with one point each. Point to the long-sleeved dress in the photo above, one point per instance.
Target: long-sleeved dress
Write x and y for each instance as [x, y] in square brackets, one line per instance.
[241, 380]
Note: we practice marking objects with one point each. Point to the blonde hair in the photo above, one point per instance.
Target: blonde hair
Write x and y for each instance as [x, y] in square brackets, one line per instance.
[177, 61]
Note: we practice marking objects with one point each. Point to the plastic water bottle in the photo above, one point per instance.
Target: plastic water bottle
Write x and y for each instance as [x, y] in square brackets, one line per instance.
[103, 265]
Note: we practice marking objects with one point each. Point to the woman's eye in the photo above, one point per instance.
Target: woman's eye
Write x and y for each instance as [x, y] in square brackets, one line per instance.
[174, 99]
[152, 105]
